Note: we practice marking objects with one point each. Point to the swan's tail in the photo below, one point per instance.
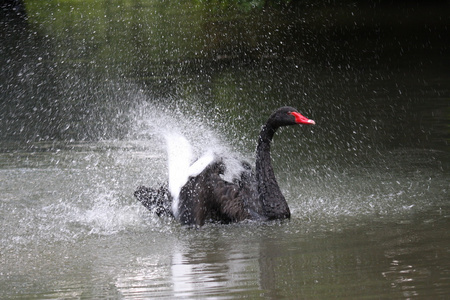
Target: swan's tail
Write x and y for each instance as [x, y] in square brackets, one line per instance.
[156, 200]
[180, 169]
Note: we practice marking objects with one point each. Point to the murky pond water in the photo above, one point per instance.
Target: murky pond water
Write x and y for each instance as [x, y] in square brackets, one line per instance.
[82, 126]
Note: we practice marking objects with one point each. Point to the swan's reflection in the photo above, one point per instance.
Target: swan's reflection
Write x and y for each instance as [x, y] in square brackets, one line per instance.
[220, 268]
[274, 262]
[203, 264]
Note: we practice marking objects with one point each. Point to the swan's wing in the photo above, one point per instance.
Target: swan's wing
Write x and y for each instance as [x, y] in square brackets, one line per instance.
[179, 153]
[229, 202]
[180, 169]
[201, 163]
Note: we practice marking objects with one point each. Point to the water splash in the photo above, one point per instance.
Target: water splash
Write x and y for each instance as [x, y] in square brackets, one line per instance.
[180, 155]
[106, 216]
[78, 190]
[180, 165]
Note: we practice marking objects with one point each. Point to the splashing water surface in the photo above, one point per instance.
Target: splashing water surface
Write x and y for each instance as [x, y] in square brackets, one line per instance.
[71, 205]
[90, 93]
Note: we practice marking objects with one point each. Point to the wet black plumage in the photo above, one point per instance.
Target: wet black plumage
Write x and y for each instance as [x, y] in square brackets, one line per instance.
[208, 197]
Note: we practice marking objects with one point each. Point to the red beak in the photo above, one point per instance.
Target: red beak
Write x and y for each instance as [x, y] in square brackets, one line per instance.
[300, 119]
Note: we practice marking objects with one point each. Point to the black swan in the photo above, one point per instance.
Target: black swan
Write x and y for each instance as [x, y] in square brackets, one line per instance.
[208, 197]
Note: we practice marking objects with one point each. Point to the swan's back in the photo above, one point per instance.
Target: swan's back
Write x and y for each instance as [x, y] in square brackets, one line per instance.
[208, 197]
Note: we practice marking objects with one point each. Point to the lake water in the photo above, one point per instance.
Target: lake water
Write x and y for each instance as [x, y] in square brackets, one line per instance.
[88, 91]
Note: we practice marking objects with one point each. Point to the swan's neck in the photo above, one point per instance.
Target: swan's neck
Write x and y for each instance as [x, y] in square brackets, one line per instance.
[273, 202]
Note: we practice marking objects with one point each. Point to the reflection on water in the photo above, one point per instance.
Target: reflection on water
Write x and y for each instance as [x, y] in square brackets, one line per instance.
[87, 92]
[264, 264]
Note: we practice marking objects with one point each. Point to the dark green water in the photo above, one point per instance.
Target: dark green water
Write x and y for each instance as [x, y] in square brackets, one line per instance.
[89, 88]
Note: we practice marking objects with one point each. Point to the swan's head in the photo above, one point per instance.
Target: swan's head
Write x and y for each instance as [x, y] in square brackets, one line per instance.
[287, 115]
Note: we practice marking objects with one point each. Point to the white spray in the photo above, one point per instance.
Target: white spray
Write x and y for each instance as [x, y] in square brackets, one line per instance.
[180, 154]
